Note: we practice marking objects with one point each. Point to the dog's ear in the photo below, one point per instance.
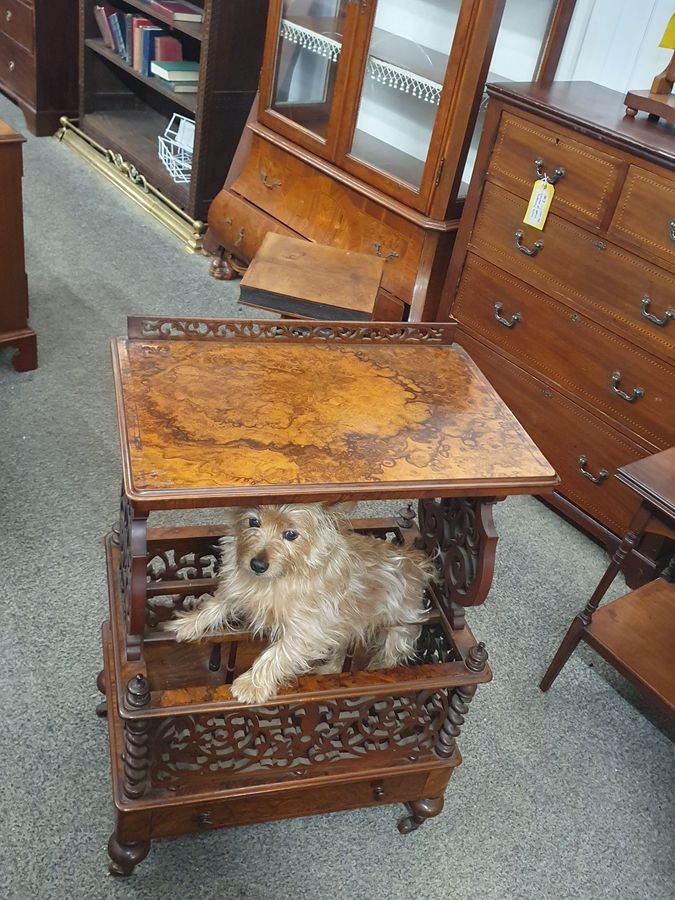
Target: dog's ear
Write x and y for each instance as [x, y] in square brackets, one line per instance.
[341, 509]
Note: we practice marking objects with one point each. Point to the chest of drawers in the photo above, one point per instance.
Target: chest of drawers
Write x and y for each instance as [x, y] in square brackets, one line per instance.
[574, 324]
[38, 60]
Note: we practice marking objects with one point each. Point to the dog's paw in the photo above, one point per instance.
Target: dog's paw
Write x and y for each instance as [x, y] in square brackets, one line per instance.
[244, 690]
[184, 627]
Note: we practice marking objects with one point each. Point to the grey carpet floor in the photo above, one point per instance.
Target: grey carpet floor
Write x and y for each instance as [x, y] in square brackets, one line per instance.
[567, 796]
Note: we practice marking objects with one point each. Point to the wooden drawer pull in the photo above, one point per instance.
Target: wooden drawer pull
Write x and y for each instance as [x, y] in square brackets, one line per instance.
[8, 15]
[629, 398]
[12, 65]
[267, 183]
[650, 317]
[671, 226]
[557, 175]
[378, 792]
[602, 475]
[516, 317]
[378, 251]
[536, 247]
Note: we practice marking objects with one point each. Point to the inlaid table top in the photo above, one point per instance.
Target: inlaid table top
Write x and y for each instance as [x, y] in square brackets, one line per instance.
[230, 412]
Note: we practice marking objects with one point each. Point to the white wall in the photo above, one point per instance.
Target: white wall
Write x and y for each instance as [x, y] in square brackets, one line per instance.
[615, 43]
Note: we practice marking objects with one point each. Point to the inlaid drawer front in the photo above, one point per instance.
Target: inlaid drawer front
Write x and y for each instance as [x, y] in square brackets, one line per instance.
[570, 350]
[609, 284]
[241, 227]
[16, 21]
[584, 451]
[314, 205]
[645, 215]
[584, 178]
[17, 69]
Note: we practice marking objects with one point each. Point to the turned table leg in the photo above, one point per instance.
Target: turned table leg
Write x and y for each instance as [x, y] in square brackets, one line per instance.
[420, 811]
[125, 857]
[102, 707]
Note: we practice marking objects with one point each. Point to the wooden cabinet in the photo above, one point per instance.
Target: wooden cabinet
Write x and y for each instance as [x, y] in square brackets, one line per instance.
[125, 111]
[14, 329]
[363, 128]
[574, 324]
[38, 60]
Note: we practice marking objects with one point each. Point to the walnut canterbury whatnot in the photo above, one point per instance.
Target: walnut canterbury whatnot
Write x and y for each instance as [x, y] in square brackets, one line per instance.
[219, 413]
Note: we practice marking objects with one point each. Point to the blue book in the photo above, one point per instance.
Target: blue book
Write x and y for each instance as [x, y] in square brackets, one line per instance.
[116, 25]
[128, 24]
[148, 35]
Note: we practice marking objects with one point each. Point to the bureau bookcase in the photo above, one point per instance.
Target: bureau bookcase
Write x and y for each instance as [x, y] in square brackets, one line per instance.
[574, 324]
[363, 129]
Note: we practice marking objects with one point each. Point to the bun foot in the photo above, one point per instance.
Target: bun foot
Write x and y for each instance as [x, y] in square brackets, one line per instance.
[102, 709]
[420, 811]
[221, 269]
[125, 857]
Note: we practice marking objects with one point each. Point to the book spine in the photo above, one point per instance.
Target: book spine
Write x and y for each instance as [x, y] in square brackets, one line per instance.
[104, 27]
[117, 34]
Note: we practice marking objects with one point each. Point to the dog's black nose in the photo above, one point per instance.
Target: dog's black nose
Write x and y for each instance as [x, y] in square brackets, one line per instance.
[259, 565]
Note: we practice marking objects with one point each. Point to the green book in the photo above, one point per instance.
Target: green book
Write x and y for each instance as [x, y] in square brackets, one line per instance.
[176, 71]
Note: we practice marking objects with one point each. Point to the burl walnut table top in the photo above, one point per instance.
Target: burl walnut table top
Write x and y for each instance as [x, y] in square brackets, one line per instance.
[216, 413]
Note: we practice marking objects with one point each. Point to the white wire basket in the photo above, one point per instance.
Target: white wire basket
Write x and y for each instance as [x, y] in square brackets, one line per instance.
[176, 146]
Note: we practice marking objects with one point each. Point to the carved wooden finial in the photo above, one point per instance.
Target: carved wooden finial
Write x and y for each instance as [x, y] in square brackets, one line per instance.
[138, 691]
[477, 658]
[405, 516]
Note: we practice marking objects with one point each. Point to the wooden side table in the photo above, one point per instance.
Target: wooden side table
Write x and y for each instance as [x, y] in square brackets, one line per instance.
[226, 413]
[636, 632]
[14, 328]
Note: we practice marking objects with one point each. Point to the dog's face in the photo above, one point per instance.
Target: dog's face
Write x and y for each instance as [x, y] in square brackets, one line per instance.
[273, 541]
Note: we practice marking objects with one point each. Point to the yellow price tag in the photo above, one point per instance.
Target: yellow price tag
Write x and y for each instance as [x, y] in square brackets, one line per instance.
[540, 203]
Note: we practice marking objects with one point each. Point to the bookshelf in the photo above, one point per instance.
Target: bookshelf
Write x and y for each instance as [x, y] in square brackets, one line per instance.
[122, 112]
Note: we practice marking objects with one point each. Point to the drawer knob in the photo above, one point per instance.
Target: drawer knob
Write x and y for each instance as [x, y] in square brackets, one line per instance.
[378, 792]
[671, 229]
[12, 65]
[629, 398]
[505, 322]
[266, 181]
[557, 175]
[203, 819]
[536, 247]
[602, 475]
[650, 317]
[378, 252]
[8, 15]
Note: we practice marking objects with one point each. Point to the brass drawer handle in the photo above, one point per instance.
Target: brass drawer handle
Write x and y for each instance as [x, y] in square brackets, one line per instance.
[505, 322]
[557, 175]
[671, 227]
[378, 251]
[12, 65]
[629, 398]
[596, 479]
[536, 247]
[267, 183]
[650, 317]
[8, 15]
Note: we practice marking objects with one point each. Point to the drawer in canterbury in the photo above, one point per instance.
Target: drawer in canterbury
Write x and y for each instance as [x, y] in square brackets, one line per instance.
[240, 227]
[584, 177]
[569, 263]
[17, 69]
[583, 449]
[16, 21]
[611, 375]
[645, 216]
[323, 210]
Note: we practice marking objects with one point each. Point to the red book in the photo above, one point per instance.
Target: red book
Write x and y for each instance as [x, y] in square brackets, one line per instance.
[101, 14]
[136, 54]
[168, 49]
[178, 11]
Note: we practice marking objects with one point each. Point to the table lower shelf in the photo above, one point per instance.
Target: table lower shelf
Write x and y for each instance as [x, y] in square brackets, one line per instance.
[636, 634]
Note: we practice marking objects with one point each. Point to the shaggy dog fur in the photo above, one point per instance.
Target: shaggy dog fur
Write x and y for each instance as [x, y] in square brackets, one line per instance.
[298, 576]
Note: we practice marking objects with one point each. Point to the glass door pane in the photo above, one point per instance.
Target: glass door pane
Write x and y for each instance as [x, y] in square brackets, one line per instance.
[310, 41]
[522, 35]
[405, 69]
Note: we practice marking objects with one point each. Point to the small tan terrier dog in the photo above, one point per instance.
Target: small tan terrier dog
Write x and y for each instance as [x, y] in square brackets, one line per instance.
[298, 576]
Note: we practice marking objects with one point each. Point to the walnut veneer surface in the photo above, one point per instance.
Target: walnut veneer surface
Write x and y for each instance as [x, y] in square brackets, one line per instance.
[226, 419]
[38, 60]
[574, 324]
